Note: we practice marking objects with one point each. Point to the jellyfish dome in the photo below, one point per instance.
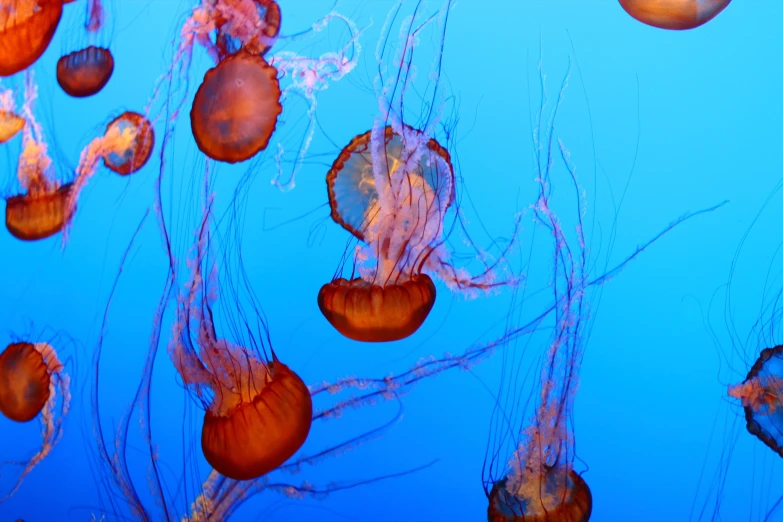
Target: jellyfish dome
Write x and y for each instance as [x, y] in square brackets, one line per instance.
[10, 125]
[85, 72]
[391, 191]
[552, 496]
[761, 394]
[132, 140]
[674, 14]
[24, 386]
[26, 28]
[38, 214]
[235, 109]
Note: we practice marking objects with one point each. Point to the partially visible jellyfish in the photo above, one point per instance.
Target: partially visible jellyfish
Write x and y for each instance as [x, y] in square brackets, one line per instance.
[125, 147]
[31, 379]
[761, 394]
[539, 482]
[26, 28]
[86, 71]
[392, 187]
[41, 209]
[10, 122]
[674, 14]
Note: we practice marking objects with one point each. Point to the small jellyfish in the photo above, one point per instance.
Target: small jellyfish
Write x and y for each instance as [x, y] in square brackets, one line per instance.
[125, 147]
[26, 28]
[255, 33]
[761, 394]
[85, 72]
[30, 377]
[674, 14]
[235, 109]
[41, 209]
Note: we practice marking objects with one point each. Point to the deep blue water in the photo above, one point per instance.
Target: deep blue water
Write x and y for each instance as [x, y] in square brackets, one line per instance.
[657, 123]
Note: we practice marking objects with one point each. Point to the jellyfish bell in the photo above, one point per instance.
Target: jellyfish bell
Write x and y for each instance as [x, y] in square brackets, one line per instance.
[236, 107]
[139, 140]
[26, 29]
[674, 14]
[391, 192]
[38, 214]
[85, 72]
[761, 394]
[10, 125]
[369, 312]
[555, 495]
[24, 386]
[249, 432]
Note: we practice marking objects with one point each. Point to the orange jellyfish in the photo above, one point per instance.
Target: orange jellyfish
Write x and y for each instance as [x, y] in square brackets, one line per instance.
[86, 71]
[26, 28]
[258, 411]
[30, 377]
[392, 188]
[125, 147]
[761, 394]
[402, 222]
[235, 109]
[674, 14]
[10, 122]
[41, 210]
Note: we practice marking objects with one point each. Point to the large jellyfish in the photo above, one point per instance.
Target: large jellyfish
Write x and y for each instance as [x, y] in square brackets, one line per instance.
[86, 71]
[31, 379]
[392, 187]
[41, 210]
[26, 28]
[258, 411]
[674, 14]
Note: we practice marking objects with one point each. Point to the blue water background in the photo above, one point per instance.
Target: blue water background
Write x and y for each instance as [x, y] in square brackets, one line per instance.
[684, 119]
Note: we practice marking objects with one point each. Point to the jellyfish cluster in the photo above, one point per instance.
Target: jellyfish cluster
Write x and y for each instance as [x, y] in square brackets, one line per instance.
[393, 193]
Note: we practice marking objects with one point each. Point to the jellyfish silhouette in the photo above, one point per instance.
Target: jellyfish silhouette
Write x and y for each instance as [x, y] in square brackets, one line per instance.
[31, 379]
[41, 210]
[26, 28]
[392, 188]
[761, 393]
[674, 14]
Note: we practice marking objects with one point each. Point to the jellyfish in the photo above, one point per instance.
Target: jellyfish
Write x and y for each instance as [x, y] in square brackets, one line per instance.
[31, 378]
[761, 393]
[26, 28]
[674, 14]
[10, 122]
[125, 147]
[235, 109]
[41, 210]
[539, 482]
[86, 71]
[392, 188]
